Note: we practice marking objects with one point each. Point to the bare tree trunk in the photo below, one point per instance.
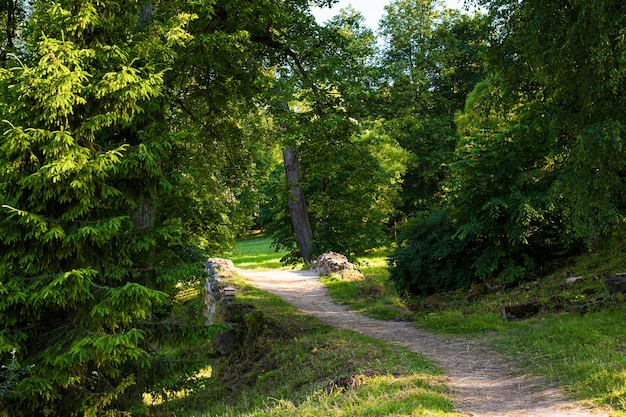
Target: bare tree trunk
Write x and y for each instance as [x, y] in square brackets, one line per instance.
[297, 206]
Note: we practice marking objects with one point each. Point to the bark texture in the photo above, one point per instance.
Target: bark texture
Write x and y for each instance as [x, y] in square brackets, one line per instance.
[297, 206]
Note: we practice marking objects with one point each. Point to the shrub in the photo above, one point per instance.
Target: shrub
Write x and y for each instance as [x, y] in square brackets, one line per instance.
[431, 258]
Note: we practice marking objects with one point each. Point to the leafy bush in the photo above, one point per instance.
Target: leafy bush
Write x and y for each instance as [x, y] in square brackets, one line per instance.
[431, 258]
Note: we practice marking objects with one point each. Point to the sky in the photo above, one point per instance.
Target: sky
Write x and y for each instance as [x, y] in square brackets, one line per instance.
[372, 10]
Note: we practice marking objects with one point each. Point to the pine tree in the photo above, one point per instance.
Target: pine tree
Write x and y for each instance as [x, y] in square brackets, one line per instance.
[86, 259]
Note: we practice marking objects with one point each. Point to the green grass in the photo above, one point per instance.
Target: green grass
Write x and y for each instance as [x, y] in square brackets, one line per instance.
[583, 353]
[587, 355]
[459, 322]
[299, 366]
[255, 252]
[373, 296]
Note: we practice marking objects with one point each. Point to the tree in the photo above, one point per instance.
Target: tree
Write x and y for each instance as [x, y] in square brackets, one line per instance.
[297, 206]
[87, 260]
[431, 60]
[11, 19]
[564, 57]
[539, 167]
[316, 110]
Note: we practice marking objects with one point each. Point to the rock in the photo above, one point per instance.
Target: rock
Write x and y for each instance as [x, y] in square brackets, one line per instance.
[477, 290]
[221, 268]
[616, 284]
[573, 280]
[434, 301]
[215, 288]
[229, 292]
[333, 262]
[330, 262]
[520, 311]
[237, 316]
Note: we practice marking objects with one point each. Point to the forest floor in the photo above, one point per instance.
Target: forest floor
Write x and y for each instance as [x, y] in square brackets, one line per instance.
[484, 383]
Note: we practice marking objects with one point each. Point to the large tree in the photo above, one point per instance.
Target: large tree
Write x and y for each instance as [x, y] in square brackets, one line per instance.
[430, 61]
[133, 140]
[319, 111]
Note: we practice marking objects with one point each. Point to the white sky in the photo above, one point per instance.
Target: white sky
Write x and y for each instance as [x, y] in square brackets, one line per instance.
[372, 10]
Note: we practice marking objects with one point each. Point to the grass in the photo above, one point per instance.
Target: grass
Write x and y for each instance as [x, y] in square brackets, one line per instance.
[577, 341]
[373, 296]
[585, 354]
[256, 252]
[298, 366]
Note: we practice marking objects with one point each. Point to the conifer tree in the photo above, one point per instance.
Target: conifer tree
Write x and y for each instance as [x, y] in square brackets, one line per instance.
[86, 259]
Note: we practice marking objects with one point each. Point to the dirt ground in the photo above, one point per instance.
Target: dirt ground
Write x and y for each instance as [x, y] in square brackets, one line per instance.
[482, 382]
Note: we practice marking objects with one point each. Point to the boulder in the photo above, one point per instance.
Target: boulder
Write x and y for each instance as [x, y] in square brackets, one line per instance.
[330, 262]
[333, 262]
[520, 311]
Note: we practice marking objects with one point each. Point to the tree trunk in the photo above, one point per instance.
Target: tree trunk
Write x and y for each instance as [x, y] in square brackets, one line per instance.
[297, 206]
[10, 29]
[144, 218]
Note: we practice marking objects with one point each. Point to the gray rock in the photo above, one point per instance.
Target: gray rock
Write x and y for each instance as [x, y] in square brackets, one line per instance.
[616, 284]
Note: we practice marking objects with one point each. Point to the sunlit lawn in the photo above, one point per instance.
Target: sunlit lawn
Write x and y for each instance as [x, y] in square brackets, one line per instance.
[256, 252]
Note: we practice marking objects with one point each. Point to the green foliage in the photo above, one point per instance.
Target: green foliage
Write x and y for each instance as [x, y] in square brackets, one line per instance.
[87, 259]
[10, 375]
[430, 72]
[500, 187]
[431, 259]
[430, 62]
[563, 61]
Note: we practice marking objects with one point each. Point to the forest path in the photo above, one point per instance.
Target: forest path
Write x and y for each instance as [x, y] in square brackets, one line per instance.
[480, 378]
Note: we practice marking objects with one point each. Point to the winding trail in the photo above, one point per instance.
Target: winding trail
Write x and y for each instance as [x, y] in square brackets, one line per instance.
[480, 378]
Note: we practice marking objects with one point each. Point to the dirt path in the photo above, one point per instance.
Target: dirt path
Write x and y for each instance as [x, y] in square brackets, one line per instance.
[479, 377]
